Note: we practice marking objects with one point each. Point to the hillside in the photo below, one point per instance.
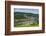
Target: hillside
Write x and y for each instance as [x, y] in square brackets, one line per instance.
[22, 15]
[22, 19]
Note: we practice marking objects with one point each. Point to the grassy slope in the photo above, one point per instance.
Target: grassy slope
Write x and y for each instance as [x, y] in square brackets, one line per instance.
[26, 25]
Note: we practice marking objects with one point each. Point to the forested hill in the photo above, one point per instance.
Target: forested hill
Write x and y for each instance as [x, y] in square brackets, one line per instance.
[21, 15]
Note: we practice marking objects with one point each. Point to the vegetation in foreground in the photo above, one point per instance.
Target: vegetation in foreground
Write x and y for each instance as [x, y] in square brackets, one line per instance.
[26, 25]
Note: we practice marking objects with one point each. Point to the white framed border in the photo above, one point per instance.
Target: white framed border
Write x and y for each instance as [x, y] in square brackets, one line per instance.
[25, 28]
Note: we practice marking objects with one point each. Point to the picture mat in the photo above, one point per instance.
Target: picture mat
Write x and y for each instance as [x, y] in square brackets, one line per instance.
[25, 28]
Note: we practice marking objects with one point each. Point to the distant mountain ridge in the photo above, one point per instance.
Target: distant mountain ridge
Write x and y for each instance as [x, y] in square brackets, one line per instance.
[23, 13]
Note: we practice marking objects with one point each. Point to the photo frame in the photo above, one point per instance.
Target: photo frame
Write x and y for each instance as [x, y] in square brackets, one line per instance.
[24, 17]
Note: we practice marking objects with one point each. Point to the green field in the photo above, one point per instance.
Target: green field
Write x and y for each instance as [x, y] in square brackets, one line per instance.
[26, 25]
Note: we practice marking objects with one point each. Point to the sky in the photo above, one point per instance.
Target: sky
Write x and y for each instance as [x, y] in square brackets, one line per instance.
[26, 10]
